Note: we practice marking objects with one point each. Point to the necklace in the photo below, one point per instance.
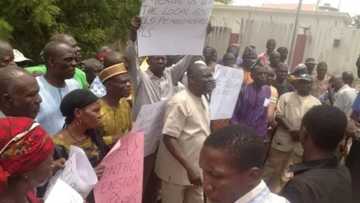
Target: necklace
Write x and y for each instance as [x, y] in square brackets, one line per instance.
[75, 138]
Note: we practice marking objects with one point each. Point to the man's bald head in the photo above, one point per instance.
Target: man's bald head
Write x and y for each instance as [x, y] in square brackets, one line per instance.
[6, 54]
[19, 92]
[70, 40]
[200, 78]
[60, 59]
[54, 48]
[9, 76]
[113, 58]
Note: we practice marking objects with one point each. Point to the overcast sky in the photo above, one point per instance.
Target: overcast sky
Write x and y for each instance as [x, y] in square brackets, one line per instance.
[350, 6]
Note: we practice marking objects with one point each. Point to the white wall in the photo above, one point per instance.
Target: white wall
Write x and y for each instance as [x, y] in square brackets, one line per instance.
[256, 25]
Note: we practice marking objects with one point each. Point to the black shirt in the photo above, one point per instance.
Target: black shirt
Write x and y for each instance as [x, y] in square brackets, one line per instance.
[320, 181]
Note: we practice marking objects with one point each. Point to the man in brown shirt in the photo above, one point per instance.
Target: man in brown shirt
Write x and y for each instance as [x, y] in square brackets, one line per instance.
[187, 124]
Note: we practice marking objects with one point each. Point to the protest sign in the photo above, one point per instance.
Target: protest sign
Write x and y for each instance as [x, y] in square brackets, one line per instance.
[226, 93]
[150, 120]
[123, 176]
[176, 27]
[61, 192]
[78, 172]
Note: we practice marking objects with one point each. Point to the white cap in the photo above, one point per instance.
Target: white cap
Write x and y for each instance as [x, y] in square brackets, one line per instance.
[19, 57]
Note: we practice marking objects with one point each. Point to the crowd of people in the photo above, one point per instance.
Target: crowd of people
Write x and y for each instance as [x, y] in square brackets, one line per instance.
[293, 136]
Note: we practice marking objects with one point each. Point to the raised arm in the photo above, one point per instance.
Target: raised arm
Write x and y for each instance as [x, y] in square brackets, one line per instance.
[131, 53]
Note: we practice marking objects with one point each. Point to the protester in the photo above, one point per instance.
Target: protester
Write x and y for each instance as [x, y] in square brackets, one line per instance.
[210, 55]
[274, 95]
[186, 128]
[79, 75]
[310, 64]
[344, 96]
[113, 58]
[275, 60]
[252, 105]
[25, 159]
[157, 83]
[91, 67]
[234, 50]
[353, 158]
[348, 78]
[281, 83]
[285, 147]
[81, 110]
[229, 60]
[320, 178]
[232, 160]
[103, 51]
[270, 47]
[19, 93]
[321, 80]
[115, 110]
[55, 84]
[6, 54]
[283, 54]
[249, 59]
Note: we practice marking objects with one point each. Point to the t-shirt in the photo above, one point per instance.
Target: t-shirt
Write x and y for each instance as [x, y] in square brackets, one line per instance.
[49, 115]
[79, 75]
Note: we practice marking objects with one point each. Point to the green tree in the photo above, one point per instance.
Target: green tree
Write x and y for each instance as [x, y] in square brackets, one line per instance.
[29, 24]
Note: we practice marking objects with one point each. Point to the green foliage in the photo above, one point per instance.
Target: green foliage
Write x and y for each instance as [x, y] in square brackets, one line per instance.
[30, 23]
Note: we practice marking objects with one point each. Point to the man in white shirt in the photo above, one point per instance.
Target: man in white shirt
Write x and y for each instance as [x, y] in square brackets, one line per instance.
[232, 160]
[344, 95]
[60, 60]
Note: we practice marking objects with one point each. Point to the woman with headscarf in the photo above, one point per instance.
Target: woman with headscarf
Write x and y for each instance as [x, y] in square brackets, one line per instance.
[26, 155]
[81, 110]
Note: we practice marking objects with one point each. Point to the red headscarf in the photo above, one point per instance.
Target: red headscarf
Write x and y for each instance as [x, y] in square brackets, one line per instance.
[24, 145]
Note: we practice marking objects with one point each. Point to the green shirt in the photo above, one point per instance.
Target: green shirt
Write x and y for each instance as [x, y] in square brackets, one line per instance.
[79, 75]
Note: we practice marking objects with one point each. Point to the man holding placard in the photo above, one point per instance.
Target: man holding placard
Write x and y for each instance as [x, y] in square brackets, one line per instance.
[187, 125]
[155, 84]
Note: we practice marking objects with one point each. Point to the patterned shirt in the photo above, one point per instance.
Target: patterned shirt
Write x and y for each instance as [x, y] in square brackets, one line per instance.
[115, 122]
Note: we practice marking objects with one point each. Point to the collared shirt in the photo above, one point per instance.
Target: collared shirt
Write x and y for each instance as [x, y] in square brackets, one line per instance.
[261, 194]
[319, 87]
[344, 99]
[187, 119]
[319, 181]
[49, 115]
[79, 75]
[251, 108]
[115, 122]
[291, 108]
[149, 88]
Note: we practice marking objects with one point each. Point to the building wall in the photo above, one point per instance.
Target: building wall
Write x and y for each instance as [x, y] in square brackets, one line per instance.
[256, 25]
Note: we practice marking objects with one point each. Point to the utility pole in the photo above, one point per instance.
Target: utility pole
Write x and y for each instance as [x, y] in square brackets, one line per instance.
[292, 47]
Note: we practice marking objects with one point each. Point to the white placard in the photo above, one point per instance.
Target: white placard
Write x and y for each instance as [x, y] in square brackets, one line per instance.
[78, 172]
[63, 193]
[176, 27]
[225, 95]
[150, 120]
